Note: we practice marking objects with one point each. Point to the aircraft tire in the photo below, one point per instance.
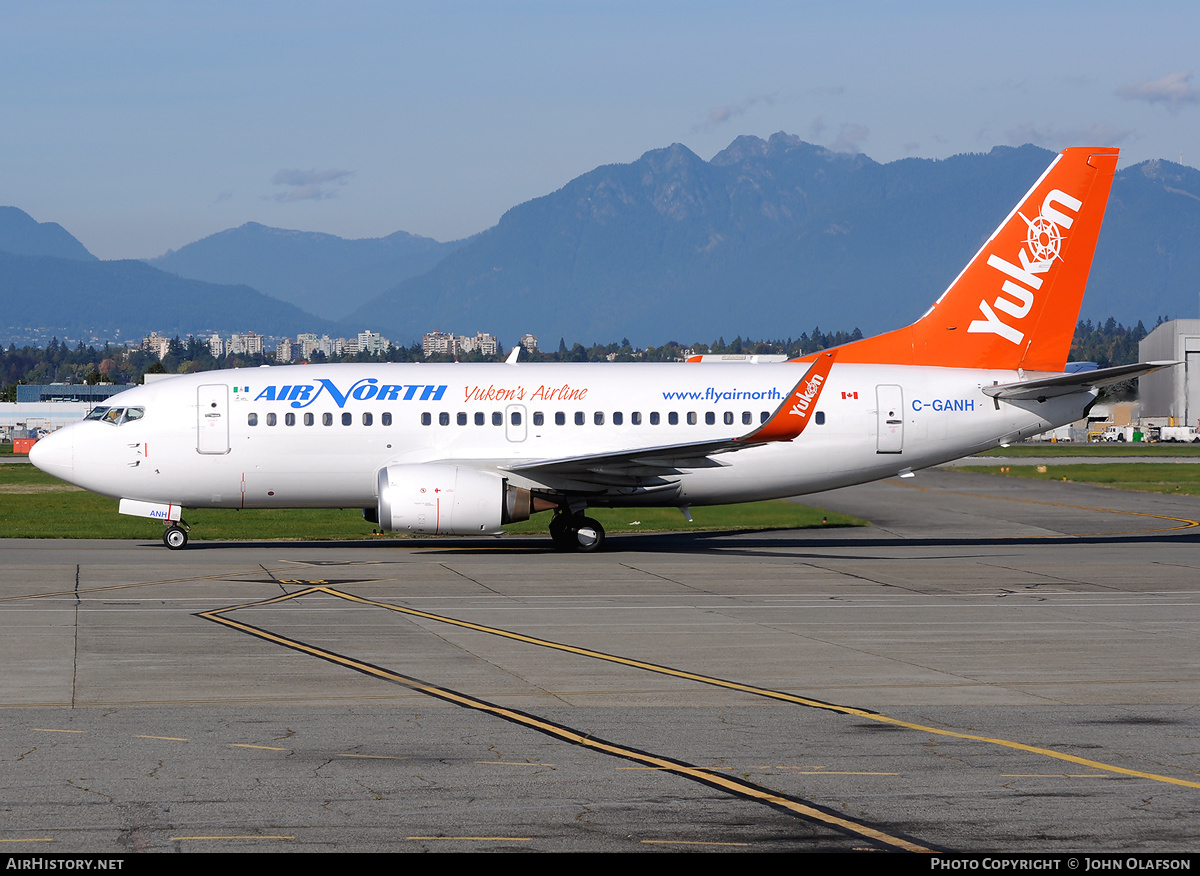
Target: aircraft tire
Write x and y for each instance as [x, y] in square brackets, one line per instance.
[589, 535]
[175, 538]
[562, 533]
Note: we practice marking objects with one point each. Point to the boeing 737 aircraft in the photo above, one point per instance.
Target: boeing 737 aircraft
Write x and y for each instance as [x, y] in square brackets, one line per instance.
[465, 449]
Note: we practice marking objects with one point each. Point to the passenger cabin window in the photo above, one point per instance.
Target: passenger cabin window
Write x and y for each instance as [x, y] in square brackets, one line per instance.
[820, 418]
[479, 419]
[539, 419]
[636, 418]
[426, 419]
[654, 418]
[326, 419]
[347, 418]
[386, 419]
[618, 418]
[579, 418]
[764, 416]
[746, 418]
[497, 418]
[271, 419]
[289, 419]
[673, 418]
[308, 419]
[515, 418]
[252, 419]
[598, 418]
[462, 418]
[691, 418]
[729, 418]
[444, 418]
[367, 419]
[560, 419]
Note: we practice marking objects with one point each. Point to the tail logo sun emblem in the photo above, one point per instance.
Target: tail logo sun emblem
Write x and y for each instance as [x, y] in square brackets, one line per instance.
[1044, 239]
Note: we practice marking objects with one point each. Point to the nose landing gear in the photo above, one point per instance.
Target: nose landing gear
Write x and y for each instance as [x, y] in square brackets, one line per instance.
[175, 536]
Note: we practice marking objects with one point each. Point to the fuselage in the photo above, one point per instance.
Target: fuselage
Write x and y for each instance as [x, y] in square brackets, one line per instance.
[317, 435]
[466, 449]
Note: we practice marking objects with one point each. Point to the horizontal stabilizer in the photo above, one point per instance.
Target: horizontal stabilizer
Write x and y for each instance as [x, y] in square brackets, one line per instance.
[1079, 381]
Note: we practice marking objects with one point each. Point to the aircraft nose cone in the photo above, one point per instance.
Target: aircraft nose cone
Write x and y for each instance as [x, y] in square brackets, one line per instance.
[55, 454]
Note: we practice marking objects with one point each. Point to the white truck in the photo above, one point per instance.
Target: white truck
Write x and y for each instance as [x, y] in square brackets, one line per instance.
[1177, 434]
[1122, 433]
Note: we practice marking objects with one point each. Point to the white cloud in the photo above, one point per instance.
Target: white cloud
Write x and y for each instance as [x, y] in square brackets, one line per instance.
[722, 114]
[1173, 89]
[1050, 137]
[308, 185]
[849, 138]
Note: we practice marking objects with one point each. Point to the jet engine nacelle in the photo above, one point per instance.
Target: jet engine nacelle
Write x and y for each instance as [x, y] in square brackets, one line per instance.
[448, 500]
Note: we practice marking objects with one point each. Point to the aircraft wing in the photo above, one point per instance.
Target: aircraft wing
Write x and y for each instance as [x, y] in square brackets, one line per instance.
[634, 465]
[1065, 384]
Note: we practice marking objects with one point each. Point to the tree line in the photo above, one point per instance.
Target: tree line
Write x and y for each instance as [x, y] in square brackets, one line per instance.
[1110, 343]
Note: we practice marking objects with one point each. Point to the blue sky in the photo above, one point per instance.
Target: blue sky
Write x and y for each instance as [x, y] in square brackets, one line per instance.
[141, 127]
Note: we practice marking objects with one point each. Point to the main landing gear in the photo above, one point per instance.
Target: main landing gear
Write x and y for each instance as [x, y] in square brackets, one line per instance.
[175, 536]
[574, 532]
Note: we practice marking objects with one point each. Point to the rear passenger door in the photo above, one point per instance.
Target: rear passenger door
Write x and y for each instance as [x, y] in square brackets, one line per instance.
[889, 400]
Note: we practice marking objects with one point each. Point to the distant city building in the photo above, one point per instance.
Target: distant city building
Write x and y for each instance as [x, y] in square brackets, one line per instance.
[156, 344]
[308, 344]
[482, 343]
[437, 342]
[67, 392]
[40, 409]
[332, 347]
[248, 344]
[529, 342]
[373, 343]
[216, 346]
[283, 352]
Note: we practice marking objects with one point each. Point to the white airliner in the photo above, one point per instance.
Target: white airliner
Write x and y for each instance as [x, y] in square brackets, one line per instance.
[465, 449]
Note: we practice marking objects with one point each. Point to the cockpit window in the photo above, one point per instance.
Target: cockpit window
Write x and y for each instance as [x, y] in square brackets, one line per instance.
[116, 416]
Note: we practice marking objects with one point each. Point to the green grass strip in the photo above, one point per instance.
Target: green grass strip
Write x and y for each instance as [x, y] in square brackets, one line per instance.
[35, 505]
[1148, 477]
[1115, 450]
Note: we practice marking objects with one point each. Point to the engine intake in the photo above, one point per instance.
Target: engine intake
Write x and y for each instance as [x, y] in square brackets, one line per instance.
[450, 500]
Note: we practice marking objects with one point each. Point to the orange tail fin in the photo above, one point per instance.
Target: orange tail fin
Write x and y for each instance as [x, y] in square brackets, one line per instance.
[1016, 304]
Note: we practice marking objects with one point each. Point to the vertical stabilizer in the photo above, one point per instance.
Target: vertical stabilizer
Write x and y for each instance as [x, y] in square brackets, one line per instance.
[1017, 302]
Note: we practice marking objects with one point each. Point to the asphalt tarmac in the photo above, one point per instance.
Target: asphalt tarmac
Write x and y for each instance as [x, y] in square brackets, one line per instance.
[994, 665]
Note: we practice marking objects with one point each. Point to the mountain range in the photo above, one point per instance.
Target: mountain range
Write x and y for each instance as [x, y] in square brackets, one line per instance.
[769, 238]
[323, 274]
